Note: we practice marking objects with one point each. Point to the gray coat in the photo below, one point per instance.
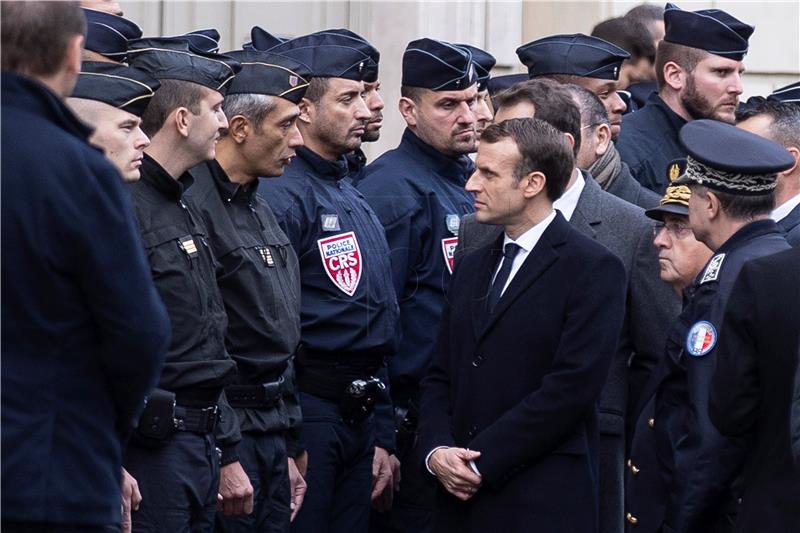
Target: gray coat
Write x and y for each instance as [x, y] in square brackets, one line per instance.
[652, 307]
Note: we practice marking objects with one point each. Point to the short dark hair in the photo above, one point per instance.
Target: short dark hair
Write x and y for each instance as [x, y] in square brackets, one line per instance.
[785, 127]
[741, 206]
[317, 88]
[685, 56]
[171, 95]
[552, 103]
[253, 107]
[629, 34]
[412, 93]
[645, 13]
[542, 148]
[593, 112]
[34, 36]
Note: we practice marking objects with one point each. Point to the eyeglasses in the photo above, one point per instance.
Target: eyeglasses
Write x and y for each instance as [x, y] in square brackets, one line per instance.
[675, 229]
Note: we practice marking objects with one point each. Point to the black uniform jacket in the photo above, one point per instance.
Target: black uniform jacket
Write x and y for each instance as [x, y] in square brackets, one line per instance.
[649, 141]
[84, 332]
[183, 268]
[751, 393]
[259, 279]
[791, 225]
[703, 488]
[521, 385]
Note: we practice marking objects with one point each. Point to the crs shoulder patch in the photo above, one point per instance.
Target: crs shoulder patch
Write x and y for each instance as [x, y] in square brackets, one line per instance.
[701, 339]
[711, 272]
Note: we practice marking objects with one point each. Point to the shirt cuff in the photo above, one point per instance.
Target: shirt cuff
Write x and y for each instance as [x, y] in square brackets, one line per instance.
[474, 468]
[428, 458]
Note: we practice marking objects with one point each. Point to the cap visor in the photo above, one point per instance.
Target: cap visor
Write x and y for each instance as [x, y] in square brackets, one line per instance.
[657, 213]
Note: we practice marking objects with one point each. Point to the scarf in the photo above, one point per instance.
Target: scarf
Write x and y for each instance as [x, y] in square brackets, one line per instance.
[608, 167]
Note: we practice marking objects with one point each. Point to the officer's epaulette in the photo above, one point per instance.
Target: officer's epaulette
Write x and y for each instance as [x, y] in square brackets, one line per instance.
[711, 272]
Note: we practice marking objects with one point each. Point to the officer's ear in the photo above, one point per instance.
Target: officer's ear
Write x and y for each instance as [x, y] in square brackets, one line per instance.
[795, 151]
[408, 109]
[712, 205]
[674, 75]
[180, 119]
[307, 111]
[239, 128]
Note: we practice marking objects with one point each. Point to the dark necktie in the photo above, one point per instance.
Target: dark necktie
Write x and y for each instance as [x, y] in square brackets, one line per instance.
[509, 253]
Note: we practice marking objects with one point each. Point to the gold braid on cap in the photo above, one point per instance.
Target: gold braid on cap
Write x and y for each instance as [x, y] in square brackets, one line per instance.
[676, 194]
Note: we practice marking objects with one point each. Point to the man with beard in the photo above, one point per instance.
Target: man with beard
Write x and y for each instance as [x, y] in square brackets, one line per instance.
[417, 191]
[589, 62]
[348, 306]
[699, 69]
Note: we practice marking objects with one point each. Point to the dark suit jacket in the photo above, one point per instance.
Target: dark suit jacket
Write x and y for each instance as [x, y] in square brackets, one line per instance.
[521, 385]
[651, 307]
[753, 386]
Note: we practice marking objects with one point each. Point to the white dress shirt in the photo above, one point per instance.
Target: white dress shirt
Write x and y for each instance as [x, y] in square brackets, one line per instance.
[569, 200]
[783, 210]
[526, 242]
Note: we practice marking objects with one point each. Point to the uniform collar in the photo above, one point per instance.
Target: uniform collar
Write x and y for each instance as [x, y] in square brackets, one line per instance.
[674, 119]
[28, 94]
[155, 175]
[329, 170]
[457, 169]
[230, 191]
[747, 233]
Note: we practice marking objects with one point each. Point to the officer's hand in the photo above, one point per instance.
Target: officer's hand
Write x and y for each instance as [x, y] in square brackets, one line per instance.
[381, 472]
[451, 466]
[384, 501]
[297, 487]
[301, 462]
[131, 498]
[235, 490]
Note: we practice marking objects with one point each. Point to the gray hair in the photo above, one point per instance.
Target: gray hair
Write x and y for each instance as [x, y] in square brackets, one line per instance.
[253, 107]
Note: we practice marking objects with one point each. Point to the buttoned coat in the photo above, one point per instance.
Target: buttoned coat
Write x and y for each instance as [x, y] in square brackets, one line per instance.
[521, 384]
[651, 307]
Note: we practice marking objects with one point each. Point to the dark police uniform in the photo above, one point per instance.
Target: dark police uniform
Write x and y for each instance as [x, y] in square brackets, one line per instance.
[753, 386]
[418, 194]
[84, 332]
[649, 137]
[178, 474]
[703, 487]
[259, 279]
[348, 311]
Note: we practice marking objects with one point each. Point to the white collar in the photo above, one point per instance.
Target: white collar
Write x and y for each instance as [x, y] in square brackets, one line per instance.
[569, 200]
[528, 240]
[783, 210]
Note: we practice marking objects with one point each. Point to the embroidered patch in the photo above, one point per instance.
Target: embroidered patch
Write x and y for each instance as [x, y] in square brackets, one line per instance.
[330, 222]
[452, 221]
[341, 259]
[449, 251]
[712, 270]
[701, 339]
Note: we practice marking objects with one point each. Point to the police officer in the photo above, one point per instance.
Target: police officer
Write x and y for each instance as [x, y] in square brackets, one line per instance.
[731, 174]
[681, 257]
[348, 305]
[177, 464]
[590, 62]
[698, 66]
[84, 331]
[417, 190]
[107, 36]
[258, 277]
[484, 62]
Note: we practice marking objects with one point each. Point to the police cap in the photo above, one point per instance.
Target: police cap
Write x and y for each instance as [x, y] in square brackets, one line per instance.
[170, 58]
[270, 74]
[120, 86]
[573, 55]
[356, 41]
[330, 56]
[788, 95]
[261, 39]
[108, 34]
[712, 30]
[438, 66]
[729, 159]
[676, 199]
[484, 62]
[498, 84]
[205, 41]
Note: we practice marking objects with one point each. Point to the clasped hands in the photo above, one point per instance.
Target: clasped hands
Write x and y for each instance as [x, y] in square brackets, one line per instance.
[451, 466]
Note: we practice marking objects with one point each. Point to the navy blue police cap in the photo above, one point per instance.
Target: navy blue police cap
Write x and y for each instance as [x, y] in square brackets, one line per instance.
[484, 62]
[117, 85]
[572, 55]
[270, 74]
[108, 34]
[498, 84]
[729, 159]
[330, 56]
[261, 39]
[356, 41]
[438, 66]
[171, 58]
[676, 199]
[205, 41]
[788, 95]
[712, 30]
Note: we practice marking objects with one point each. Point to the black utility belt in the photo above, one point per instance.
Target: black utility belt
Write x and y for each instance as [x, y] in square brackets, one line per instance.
[264, 396]
[356, 399]
[163, 417]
